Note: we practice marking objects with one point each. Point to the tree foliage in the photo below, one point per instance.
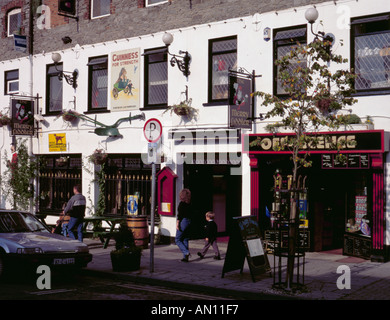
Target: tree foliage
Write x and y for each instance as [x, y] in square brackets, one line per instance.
[315, 92]
[17, 181]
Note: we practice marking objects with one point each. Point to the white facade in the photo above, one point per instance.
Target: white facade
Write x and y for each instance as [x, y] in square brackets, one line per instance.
[253, 53]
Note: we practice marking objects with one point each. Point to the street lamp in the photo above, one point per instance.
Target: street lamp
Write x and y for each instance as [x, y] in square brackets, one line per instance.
[70, 78]
[311, 16]
[183, 62]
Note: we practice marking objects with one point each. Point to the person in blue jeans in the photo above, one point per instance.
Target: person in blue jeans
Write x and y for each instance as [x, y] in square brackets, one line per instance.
[184, 214]
[75, 208]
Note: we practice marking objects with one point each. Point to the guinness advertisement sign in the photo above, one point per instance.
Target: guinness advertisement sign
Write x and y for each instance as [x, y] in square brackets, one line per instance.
[351, 142]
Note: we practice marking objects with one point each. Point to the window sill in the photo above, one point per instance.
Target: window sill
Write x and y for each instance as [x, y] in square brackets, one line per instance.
[97, 111]
[216, 104]
[153, 108]
[371, 93]
[53, 114]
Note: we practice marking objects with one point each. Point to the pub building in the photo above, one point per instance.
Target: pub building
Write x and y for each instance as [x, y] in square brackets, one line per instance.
[343, 201]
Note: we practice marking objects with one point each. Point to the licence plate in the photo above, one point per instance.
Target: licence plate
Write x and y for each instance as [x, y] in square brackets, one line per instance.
[62, 261]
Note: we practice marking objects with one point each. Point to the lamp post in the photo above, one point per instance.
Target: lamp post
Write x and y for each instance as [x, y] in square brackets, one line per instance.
[70, 77]
[182, 62]
[311, 16]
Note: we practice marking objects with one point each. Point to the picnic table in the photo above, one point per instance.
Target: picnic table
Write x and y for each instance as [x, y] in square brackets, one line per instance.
[103, 235]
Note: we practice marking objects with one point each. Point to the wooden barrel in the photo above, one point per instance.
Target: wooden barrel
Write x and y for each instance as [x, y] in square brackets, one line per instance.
[139, 226]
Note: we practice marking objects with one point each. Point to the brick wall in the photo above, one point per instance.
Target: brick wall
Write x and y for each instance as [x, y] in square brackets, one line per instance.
[131, 18]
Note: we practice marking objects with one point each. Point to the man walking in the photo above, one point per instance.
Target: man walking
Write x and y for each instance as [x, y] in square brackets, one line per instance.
[76, 210]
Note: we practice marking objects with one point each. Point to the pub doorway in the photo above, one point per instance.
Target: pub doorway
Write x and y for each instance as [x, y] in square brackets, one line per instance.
[213, 188]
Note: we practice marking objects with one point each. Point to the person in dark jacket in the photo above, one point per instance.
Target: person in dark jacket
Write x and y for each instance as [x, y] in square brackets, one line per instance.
[211, 230]
[184, 214]
[75, 208]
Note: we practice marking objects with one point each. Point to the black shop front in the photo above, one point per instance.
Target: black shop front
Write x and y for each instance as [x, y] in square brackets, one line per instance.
[341, 203]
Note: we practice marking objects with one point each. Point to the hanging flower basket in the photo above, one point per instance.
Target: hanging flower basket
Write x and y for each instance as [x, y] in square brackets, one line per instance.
[4, 120]
[183, 109]
[62, 161]
[98, 157]
[69, 115]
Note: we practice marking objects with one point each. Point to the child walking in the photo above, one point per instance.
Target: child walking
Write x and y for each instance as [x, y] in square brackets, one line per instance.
[211, 237]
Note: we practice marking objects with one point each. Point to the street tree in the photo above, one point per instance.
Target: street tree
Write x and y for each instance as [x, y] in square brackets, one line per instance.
[316, 91]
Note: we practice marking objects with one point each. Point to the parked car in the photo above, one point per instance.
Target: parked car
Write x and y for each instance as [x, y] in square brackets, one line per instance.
[26, 241]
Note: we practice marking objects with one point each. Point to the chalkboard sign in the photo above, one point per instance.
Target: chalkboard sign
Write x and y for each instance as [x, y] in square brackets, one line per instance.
[354, 161]
[364, 161]
[327, 161]
[245, 241]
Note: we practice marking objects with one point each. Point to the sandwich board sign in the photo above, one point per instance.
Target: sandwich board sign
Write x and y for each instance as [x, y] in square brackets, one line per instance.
[245, 242]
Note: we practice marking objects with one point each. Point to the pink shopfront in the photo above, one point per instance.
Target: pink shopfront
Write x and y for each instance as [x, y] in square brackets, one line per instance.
[342, 203]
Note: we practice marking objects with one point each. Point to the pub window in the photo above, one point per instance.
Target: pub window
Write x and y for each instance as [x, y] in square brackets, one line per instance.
[11, 81]
[100, 8]
[155, 2]
[14, 21]
[371, 53]
[222, 58]
[98, 79]
[57, 176]
[156, 78]
[284, 41]
[53, 90]
[127, 176]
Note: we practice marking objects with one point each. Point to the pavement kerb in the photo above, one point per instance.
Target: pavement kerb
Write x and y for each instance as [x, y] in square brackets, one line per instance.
[233, 293]
[148, 279]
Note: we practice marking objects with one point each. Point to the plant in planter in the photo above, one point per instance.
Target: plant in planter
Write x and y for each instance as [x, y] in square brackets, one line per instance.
[183, 109]
[98, 157]
[126, 256]
[4, 119]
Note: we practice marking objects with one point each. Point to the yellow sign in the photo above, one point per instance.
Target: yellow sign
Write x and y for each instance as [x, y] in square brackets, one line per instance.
[132, 205]
[57, 142]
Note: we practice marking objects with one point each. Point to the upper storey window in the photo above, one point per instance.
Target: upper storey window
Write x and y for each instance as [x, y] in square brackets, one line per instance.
[371, 53]
[100, 8]
[154, 2]
[285, 40]
[14, 21]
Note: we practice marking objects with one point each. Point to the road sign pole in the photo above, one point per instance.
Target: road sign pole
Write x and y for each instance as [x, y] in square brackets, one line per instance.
[152, 218]
[152, 133]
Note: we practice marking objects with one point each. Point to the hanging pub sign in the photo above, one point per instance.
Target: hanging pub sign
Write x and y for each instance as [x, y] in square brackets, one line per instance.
[22, 122]
[125, 83]
[239, 102]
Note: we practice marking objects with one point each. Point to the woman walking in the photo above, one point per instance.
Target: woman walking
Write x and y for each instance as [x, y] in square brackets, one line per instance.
[184, 214]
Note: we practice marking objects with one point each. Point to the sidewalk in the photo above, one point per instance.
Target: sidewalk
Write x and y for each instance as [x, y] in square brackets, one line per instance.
[369, 280]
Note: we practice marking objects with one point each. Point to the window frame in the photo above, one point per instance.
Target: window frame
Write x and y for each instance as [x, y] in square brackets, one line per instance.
[211, 54]
[48, 88]
[154, 4]
[353, 35]
[8, 81]
[91, 69]
[13, 11]
[147, 53]
[103, 15]
[277, 44]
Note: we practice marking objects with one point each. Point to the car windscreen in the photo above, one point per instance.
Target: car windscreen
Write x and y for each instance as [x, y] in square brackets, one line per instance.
[19, 222]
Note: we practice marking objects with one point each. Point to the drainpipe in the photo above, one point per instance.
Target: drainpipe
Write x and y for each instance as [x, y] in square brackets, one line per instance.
[31, 52]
